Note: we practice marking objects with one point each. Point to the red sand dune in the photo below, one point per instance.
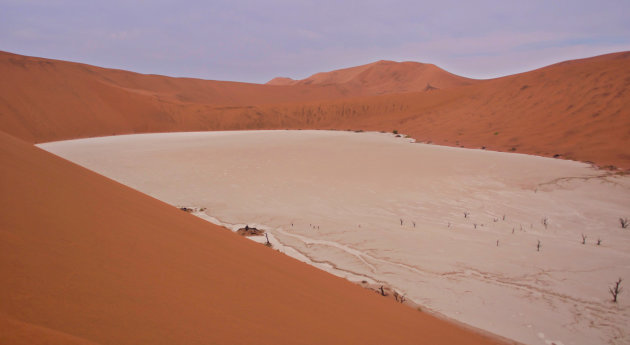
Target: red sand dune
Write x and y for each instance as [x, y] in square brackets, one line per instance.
[577, 109]
[43, 99]
[383, 77]
[86, 260]
[279, 81]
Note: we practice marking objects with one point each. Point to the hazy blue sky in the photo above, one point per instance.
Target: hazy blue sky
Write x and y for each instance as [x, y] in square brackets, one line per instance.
[255, 41]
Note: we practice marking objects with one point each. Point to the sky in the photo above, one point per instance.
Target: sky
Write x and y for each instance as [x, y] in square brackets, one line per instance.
[255, 41]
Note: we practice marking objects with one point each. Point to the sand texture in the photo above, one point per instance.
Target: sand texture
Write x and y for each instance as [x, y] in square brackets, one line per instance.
[455, 230]
[575, 110]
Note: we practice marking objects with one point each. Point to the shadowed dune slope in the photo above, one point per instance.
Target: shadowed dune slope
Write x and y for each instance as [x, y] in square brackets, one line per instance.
[44, 99]
[383, 77]
[86, 260]
[73, 76]
[577, 109]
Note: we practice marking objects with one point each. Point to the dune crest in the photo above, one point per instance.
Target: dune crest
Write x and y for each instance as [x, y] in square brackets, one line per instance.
[282, 81]
[383, 77]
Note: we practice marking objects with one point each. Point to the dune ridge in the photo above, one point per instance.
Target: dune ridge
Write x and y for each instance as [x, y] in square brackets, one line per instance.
[383, 77]
[574, 110]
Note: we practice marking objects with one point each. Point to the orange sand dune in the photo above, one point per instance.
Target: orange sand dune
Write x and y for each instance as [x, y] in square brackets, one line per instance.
[576, 110]
[43, 99]
[282, 81]
[86, 260]
[383, 77]
[24, 70]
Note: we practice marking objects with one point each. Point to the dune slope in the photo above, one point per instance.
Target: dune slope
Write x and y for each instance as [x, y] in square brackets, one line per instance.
[575, 110]
[44, 99]
[87, 260]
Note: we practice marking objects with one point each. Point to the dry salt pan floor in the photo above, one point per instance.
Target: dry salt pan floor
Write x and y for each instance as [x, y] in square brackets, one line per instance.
[521, 246]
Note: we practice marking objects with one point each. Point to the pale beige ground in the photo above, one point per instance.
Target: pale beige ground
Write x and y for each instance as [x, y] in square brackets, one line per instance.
[86, 260]
[336, 199]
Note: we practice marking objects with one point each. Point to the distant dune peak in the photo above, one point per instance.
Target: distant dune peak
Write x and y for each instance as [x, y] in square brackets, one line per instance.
[281, 81]
[382, 77]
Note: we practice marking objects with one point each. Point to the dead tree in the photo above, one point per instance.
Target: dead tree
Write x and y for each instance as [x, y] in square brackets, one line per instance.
[624, 222]
[466, 214]
[382, 291]
[599, 241]
[615, 290]
[401, 222]
[268, 244]
[583, 239]
[545, 222]
[399, 298]
[538, 246]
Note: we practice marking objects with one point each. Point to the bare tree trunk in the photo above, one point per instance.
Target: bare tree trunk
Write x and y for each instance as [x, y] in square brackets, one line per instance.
[616, 290]
[268, 244]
